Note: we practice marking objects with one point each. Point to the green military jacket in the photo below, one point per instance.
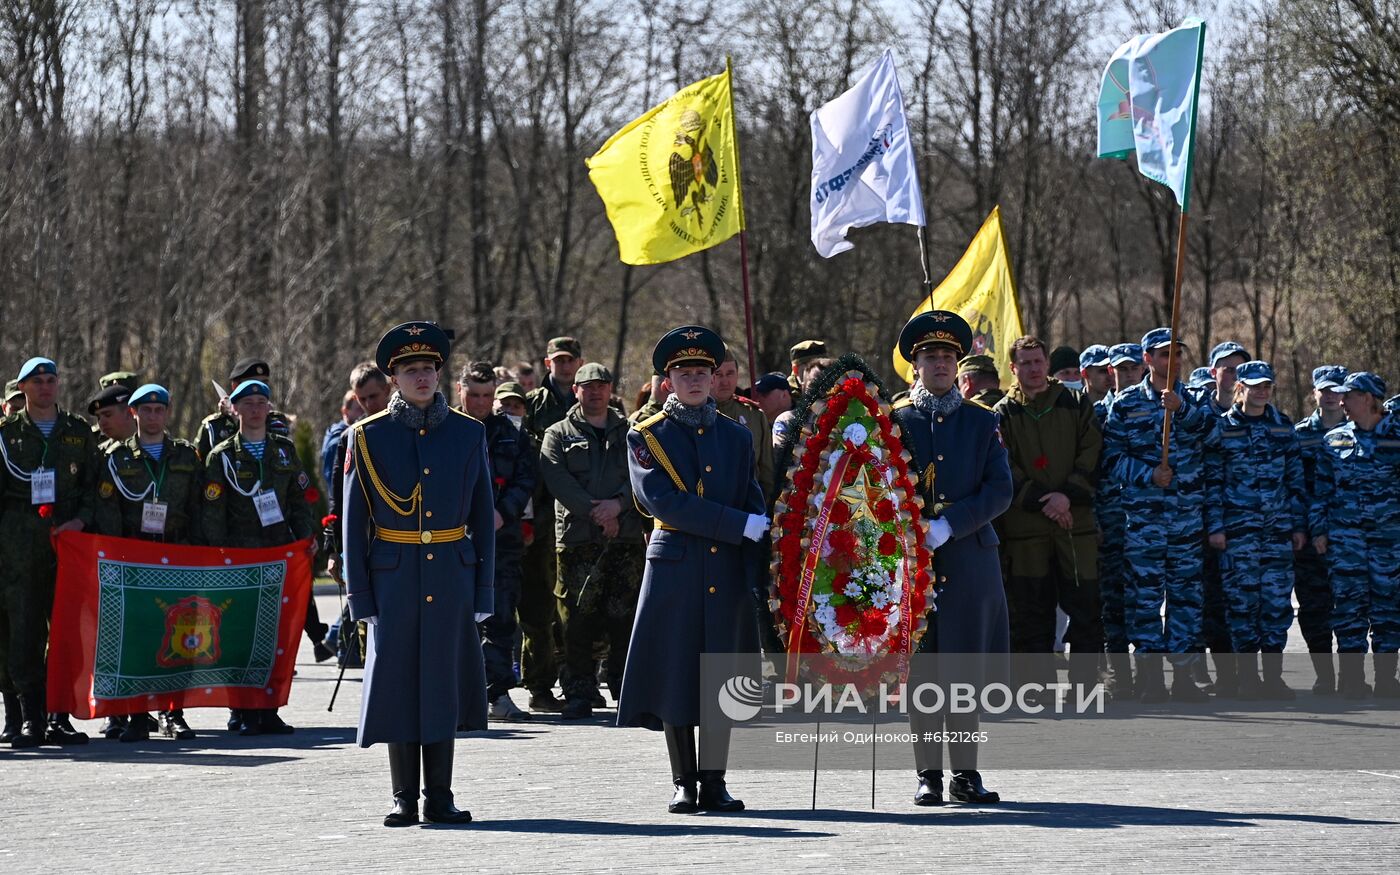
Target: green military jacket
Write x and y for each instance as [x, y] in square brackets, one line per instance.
[748, 414]
[125, 477]
[218, 427]
[544, 407]
[1053, 444]
[70, 451]
[578, 469]
[228, 516]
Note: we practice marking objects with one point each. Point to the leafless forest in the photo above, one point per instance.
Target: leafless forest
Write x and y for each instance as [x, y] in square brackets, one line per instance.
[186, 182]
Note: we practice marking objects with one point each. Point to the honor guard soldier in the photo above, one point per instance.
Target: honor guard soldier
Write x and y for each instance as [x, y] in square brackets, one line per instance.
[965, 480]
[149, 488]
[255, 495]
[114, 420]
[1355, 524]
[692, 470]
[220, 425]
[1310, 584]
[420, 548]
[46, 487]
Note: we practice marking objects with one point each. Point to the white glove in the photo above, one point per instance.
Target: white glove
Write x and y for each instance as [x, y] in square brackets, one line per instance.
[938, 533]
[482, 618]
[756, 526]
[372, 621]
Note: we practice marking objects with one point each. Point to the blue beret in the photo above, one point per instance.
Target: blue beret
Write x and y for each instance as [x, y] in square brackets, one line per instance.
[1254, 373]
[35, 366]
[1225, 350]
[1200, 378]
[1125, 352]
[1158, 338]
[149, 393]
[1364, 381]
[1095, 355]
[250, 387]
[1328, 376]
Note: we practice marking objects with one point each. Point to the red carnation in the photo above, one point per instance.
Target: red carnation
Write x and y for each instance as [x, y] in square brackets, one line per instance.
[894, 446]
[527, 530]
[838, 583]
[802, 480]
[873, 622]
[791, 551]
[884, 510]
[313, 495]
[45, 511]
[840, 514]
[853, 386]
[838, 404]
[816, 443]
[842, 542]
[328, 520]
[888, 544]
[884, 421]
[826, 422]
[792, 521]
[846, 614]
[921, 579]
[500, 481]
[1042, 462]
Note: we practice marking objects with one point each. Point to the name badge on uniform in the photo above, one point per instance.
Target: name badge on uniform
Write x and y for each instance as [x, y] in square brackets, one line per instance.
[153, 517]
[269, 511]
[41, 486]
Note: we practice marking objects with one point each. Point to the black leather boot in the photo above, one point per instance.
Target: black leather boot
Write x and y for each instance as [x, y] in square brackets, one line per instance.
[1151, 684]
[271, 724]
[32, 722]
[173, 725]
[967, 786]
[138, 728]
[112, 727]
[14, 716]
[1251, 687]
[1120, 681]
[714, 795]
[930, 789]
[1387, 686]
[1184, 687]
[1326, 683]
[403, 775]
[1230, 680]
[1351, 676]
[60, 731]
[680, 747]
[1273, 687]
[437, 785]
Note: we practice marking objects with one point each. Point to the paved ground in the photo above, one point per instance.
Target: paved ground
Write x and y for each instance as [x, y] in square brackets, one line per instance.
[577, 798]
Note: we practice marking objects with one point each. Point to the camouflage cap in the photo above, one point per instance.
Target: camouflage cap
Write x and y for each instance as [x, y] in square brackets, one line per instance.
[1225, 350]
[978, 364]
[1364, 381]
[1200, 378]
[511, 389]
[12, 389]
[806, 350]
[119, 378]
[1095, 355]
[1328, 376]
[1254, 373]
[565, 345]
[592, 372]
[1392, 404]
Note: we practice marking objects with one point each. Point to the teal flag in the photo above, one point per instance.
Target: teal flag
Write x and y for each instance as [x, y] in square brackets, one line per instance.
[1147, 104]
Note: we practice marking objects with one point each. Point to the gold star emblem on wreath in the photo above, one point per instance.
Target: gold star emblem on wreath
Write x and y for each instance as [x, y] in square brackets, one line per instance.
[690, 335]
[415, 330]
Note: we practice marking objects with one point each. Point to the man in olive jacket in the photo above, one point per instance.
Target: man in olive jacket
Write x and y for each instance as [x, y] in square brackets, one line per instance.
[601, 554]
[1053, 443]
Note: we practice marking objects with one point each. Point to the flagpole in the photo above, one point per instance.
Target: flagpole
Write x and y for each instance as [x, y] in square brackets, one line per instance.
[923, 260]
[743, 224]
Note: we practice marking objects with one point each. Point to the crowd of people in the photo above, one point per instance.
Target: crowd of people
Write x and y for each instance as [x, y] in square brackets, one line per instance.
[1246, 510]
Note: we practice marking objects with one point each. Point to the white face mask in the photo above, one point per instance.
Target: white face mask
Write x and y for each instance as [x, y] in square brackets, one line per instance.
[1077, 385]
[515, 420]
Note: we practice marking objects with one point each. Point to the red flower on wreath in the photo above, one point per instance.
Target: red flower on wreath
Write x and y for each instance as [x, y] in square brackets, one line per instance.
[852, 386]
[827, 421]
[792, 522]
[842, 542]
[888, 544]
[873, 622]
[847, 614]
[838, 405]
[884, 510]
[840, 513]
[803, 481]
[816, 443]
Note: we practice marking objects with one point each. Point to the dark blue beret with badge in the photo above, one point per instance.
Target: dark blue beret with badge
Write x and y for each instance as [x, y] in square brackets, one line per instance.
[112, 396]
[413, 341]
[933, 329]
[249, 369]
[688, 346]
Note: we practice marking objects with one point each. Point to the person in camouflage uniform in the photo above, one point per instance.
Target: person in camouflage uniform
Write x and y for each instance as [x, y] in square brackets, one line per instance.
[14, 398]
[1256, 518]
[255, 461]
[980, 381]
[1162, 546]
[1355, 524]
[601, 553]
[148, 487]
[1310, 584]
[114, 420]
[1126, 361]
[49, 456]
[222, 424]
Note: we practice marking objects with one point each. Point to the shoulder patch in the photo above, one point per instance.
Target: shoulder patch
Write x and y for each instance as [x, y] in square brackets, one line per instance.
[975, 403]
[107, 489]
[643, 455]
[213, 492]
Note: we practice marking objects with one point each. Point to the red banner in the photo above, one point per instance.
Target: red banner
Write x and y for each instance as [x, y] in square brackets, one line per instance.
[145, 626]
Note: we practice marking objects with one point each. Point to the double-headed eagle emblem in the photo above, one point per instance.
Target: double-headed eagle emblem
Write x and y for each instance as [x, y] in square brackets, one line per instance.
[693, 178]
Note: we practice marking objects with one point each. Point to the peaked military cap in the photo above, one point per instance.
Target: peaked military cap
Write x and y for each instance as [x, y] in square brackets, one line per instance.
[1364, 381]
[249, 369]
[1225, 350]
[119, 378]
[1253, 373]
[1329, 376]
[1200, 378]
[34, 367]
[686, 346]
[978, 364]
[1125, 352]
[149, 393]
[592, 372]
[932, 329]
[248, 388]
[112, 396]
[412, 341]
[1095, 355]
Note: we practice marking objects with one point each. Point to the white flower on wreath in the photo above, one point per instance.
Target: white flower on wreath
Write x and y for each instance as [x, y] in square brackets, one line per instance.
[826, 615]
[821, 598]
[853, 590]
[856, 434]
[879, 599]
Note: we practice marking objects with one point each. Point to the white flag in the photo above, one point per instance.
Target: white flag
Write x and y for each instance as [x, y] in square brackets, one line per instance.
[862, 162]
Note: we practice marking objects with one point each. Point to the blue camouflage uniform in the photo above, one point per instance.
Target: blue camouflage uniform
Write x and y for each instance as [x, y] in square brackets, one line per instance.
[1255, 496]
[1311, 585]
[1113, 524]
[1356, 505]
[1162, 547]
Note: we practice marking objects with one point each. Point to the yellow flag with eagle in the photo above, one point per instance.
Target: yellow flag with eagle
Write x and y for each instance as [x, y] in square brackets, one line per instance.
[979, 289]
[670, 179]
